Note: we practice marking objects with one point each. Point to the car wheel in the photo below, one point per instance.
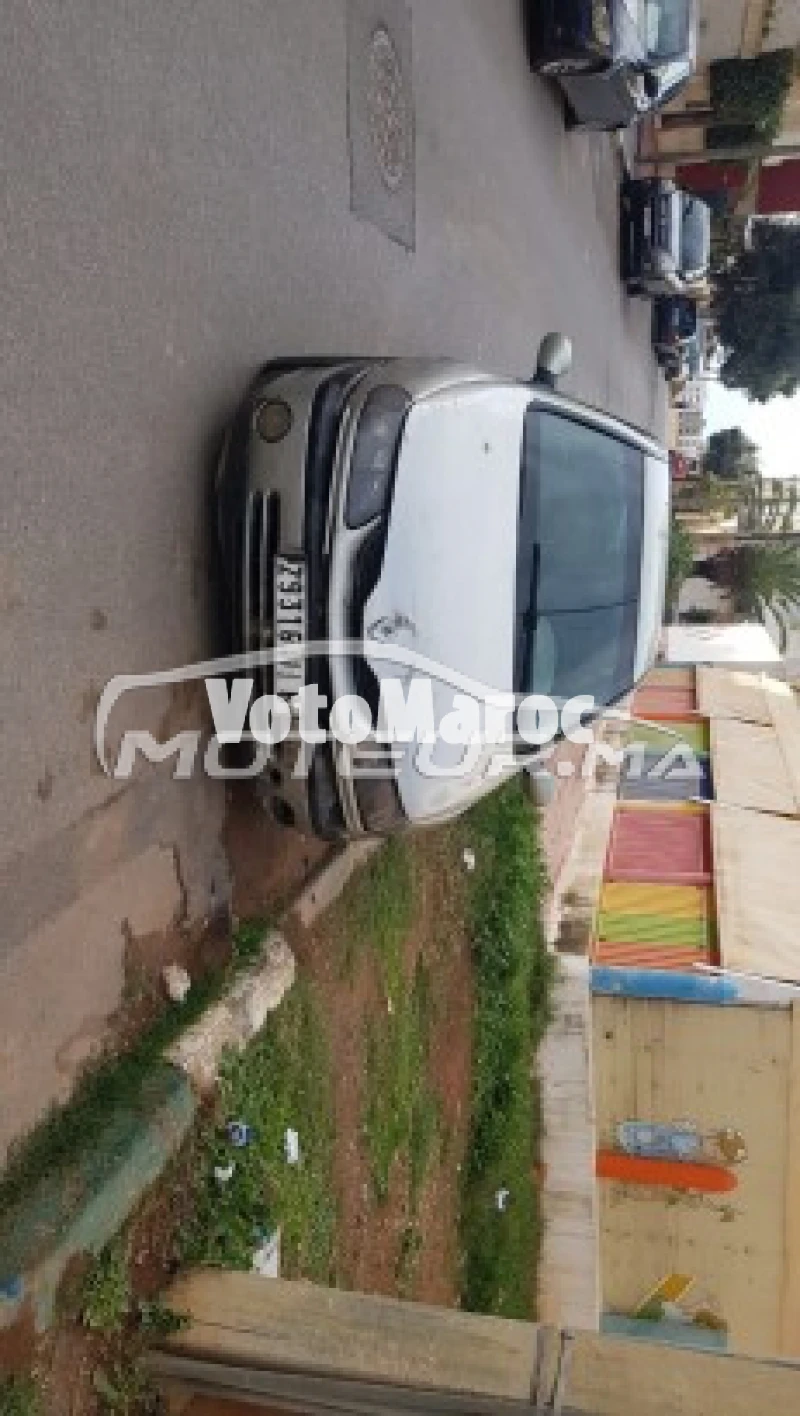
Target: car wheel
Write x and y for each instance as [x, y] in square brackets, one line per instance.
[571, 119]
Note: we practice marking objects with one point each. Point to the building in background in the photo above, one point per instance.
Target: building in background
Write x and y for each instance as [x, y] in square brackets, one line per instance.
[690, 433]
[678, 140]
[732, 29]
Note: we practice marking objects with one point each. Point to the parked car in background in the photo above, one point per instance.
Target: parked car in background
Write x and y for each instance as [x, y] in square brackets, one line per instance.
[665, 238]
[615, 60]
[684, 362]
[674, 326]
[495, 527]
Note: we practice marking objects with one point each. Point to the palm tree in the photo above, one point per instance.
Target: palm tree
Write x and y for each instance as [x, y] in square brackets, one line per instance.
[762, 579]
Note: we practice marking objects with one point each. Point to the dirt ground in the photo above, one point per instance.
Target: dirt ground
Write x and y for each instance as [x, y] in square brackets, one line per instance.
[371, 1235]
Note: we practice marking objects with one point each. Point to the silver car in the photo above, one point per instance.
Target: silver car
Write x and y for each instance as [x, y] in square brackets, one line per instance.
[490, 527]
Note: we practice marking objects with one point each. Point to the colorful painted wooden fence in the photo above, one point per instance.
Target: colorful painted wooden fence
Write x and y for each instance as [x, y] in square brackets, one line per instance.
[660, 845]
[664, 701]
[657, 926]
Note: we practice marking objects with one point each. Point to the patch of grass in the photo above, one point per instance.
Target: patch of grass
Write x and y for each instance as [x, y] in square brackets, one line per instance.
[19, 1396]
[281, 1081]
[377, 909]
[125, 1390]
[105, 1298]
[156, 1320]
[513, 976]
[401, 1113]
[410, 1248]
[116, 1083]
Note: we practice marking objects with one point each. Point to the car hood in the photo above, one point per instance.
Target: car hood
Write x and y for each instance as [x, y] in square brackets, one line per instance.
[447, 586]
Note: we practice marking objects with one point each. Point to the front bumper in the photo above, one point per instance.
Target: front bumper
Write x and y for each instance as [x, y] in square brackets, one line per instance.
[289, 498]
[274, 498]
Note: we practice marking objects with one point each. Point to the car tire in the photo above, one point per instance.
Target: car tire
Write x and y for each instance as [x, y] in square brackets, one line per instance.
[571, 119]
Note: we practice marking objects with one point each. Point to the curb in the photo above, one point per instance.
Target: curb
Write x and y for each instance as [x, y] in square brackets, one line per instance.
[77, 1210]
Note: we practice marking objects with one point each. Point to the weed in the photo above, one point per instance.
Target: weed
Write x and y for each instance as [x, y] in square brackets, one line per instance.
[513, 975]
[156, 1320]
[19, 1396]
[105, 1300]
[281, 1081]
[401, 1113]
[409, 1251]
[124, 1390]
[377, 909]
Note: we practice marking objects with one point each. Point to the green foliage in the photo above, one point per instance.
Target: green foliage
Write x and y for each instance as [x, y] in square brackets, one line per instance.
[400, 1109]
[513, 974]
[681, 560]
[156, 1320]
[401, 1112]
[730, 455]
[281, 1081]
[378, 907]
[124, 1390]
[763, 579]
[757, 306]
[751, 94]
[117, 1083]
[105, 1300]
[19, 1396]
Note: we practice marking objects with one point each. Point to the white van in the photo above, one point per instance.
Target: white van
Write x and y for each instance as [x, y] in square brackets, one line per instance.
[406, 512]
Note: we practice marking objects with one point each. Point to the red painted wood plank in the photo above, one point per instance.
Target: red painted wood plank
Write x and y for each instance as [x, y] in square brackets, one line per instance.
[660, 846]
[659, 700]
[672, 1174]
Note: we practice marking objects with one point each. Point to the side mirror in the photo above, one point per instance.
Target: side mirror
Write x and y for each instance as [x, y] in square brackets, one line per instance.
[652, 85]
[538, 785]
[554, 360]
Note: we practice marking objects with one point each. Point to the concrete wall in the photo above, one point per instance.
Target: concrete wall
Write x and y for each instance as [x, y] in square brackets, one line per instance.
[730, 27]
[784, 31]
[722, 25]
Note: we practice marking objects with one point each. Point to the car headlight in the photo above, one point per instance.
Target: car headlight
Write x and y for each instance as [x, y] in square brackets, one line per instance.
[601, 24]
[374, 457]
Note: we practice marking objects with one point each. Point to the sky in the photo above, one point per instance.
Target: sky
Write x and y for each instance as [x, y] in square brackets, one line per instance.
[774, 426]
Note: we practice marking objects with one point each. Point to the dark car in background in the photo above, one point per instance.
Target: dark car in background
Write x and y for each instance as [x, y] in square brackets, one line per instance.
[615, 60]
[674, 326]
[665, 238]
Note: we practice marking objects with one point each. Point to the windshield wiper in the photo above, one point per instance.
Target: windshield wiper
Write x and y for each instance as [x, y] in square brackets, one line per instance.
[530, 618]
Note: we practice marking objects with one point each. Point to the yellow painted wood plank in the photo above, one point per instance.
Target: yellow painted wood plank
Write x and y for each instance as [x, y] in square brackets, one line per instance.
[673, 901]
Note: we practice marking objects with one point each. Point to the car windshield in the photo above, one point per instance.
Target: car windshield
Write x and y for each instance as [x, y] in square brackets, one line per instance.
[578, 560]
[663, 27]
[695, 235]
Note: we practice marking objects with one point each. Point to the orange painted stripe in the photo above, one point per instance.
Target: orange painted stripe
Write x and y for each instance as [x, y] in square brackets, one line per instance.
[639, 956]
[672, 1174]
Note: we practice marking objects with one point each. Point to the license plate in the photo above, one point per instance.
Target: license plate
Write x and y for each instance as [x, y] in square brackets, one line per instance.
[290, 623]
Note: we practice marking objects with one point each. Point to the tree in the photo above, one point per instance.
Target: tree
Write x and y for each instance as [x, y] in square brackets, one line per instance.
[730, 455]
[761, 578]
[757, 306]
[681, 561]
